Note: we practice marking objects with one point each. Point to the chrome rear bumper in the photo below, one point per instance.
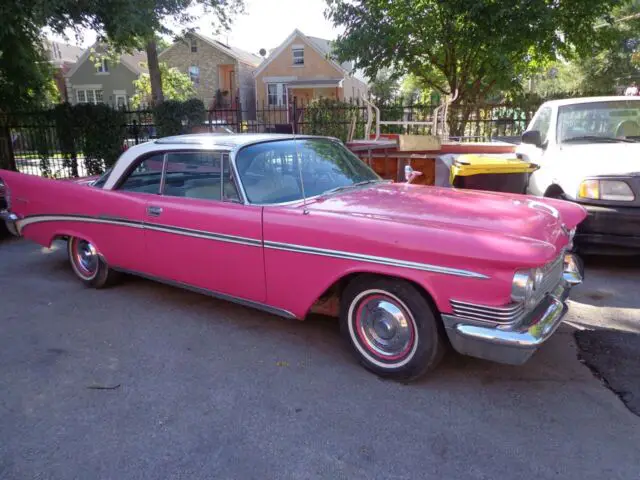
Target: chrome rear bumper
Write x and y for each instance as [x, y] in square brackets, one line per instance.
[10, 220]
[516, 342]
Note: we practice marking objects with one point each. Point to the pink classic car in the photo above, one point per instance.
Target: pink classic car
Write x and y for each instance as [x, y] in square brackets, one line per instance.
[293, 225]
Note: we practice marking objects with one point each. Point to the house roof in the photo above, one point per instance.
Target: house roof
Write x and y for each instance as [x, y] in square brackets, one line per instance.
[322, 46]
[327, 48]
[59, 52]
[234, 52]
[135, 61]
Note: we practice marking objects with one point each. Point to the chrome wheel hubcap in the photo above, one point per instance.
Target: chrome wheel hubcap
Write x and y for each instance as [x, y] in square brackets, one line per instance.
[85, 257]
[384, 327]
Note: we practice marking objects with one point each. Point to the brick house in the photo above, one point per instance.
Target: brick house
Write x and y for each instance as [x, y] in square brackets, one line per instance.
[302, 67]
[222, 74]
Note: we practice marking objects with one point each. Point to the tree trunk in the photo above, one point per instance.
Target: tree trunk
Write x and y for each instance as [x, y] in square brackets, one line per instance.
[157, 96]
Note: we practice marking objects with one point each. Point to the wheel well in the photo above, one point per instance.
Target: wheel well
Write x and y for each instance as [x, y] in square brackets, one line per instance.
[329, 302]
[554, 191]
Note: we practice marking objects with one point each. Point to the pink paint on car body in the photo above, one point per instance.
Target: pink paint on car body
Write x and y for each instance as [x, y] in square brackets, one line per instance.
[246, 219]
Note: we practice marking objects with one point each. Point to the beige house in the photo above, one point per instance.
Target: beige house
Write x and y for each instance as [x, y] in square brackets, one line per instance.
[302, 68]
[222, 74]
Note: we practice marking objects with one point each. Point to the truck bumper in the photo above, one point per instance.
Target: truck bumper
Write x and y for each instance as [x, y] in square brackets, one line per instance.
[515, 343]
[609, 230]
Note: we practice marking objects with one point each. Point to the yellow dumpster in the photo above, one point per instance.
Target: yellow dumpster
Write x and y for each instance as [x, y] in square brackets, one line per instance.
[491, 172]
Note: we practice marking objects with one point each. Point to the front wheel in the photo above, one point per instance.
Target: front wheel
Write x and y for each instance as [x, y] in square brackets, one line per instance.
[391, 327]
[88, 265]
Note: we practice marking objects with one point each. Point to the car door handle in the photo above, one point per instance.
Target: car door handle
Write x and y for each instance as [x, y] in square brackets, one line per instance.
[154, 211]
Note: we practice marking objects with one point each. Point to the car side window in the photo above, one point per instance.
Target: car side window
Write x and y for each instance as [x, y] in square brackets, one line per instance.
[542, 123]
[202, 175]
[146, 176]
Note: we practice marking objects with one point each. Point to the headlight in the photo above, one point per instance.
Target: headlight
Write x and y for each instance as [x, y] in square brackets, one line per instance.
[523, 286]
[615, 190]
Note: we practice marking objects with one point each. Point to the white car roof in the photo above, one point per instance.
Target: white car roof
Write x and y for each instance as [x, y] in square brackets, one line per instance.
[577, 101]
[197, 141]
[222, 139]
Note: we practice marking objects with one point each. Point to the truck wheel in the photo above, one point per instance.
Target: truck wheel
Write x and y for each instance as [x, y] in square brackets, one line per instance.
[391, 327]
[88, 265]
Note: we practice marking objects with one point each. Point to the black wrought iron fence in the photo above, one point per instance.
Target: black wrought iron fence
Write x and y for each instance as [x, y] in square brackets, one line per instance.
[40, 144]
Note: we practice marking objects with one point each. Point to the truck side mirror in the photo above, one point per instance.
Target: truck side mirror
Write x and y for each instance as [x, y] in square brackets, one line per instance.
[532, 137]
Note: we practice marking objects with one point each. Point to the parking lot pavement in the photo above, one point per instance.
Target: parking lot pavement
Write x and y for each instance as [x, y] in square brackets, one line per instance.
[147, 381]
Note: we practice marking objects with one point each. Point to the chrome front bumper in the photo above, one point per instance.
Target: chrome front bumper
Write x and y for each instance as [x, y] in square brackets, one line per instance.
[10, 220]
[516, 342]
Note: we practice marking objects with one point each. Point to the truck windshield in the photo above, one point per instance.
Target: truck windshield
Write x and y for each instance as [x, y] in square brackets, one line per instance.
[599, 122]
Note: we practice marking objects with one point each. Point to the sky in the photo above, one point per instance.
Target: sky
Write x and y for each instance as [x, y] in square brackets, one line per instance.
[265, 24]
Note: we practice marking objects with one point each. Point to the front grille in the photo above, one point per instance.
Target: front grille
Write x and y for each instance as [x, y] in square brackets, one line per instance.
[509, 313]
[506, 314]
[552, 276]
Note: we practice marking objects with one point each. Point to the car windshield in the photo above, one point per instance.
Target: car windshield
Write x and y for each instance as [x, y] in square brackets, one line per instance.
[275, 172]
[599, 122]
[103, 179]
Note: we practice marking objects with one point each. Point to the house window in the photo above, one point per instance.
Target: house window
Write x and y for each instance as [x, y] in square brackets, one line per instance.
[89, 96]
[298, 56]
[194, 74]
[276, 94]
[103, 66]
[194, 45]
[121, 101]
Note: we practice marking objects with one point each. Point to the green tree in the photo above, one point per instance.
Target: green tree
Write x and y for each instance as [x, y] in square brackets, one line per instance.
[175, 86]
[126, 26]
[474, 47]
[615, 55]
[384, 86]
[24, 70]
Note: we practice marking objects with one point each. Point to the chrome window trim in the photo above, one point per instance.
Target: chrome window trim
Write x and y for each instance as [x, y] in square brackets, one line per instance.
[163, 176]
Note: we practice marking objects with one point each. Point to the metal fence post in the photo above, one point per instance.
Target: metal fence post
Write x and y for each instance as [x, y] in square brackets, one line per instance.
[7, 157]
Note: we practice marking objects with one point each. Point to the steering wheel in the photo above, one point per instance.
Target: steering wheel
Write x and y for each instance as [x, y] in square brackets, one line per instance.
[628, 128]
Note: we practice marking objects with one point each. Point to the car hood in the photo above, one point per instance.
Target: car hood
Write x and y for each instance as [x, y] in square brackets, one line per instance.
[592, 160]
[531, 223]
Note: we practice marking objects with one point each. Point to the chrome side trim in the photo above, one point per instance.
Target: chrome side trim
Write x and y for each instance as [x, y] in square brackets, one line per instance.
[211, 293]
[251, 242]
[25, 222]
[219, 237]
[288, 247]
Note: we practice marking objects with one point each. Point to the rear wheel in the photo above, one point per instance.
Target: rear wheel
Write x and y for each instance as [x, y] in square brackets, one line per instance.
[391, 327]
[88, 265]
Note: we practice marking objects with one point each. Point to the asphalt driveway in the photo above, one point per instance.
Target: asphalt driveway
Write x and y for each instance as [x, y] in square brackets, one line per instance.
[147, 381]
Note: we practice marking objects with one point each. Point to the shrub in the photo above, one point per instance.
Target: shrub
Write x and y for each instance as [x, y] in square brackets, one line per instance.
[173, 117]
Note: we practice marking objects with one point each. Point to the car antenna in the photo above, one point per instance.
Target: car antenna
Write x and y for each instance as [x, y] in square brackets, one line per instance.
[305, 211]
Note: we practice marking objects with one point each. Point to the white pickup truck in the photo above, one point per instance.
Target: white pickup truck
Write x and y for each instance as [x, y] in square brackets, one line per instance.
[588, 150]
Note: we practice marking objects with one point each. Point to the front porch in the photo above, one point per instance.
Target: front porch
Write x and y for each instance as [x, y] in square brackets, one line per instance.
[305, 91]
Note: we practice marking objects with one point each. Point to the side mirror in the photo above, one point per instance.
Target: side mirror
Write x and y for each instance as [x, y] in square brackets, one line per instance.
[532, 137]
